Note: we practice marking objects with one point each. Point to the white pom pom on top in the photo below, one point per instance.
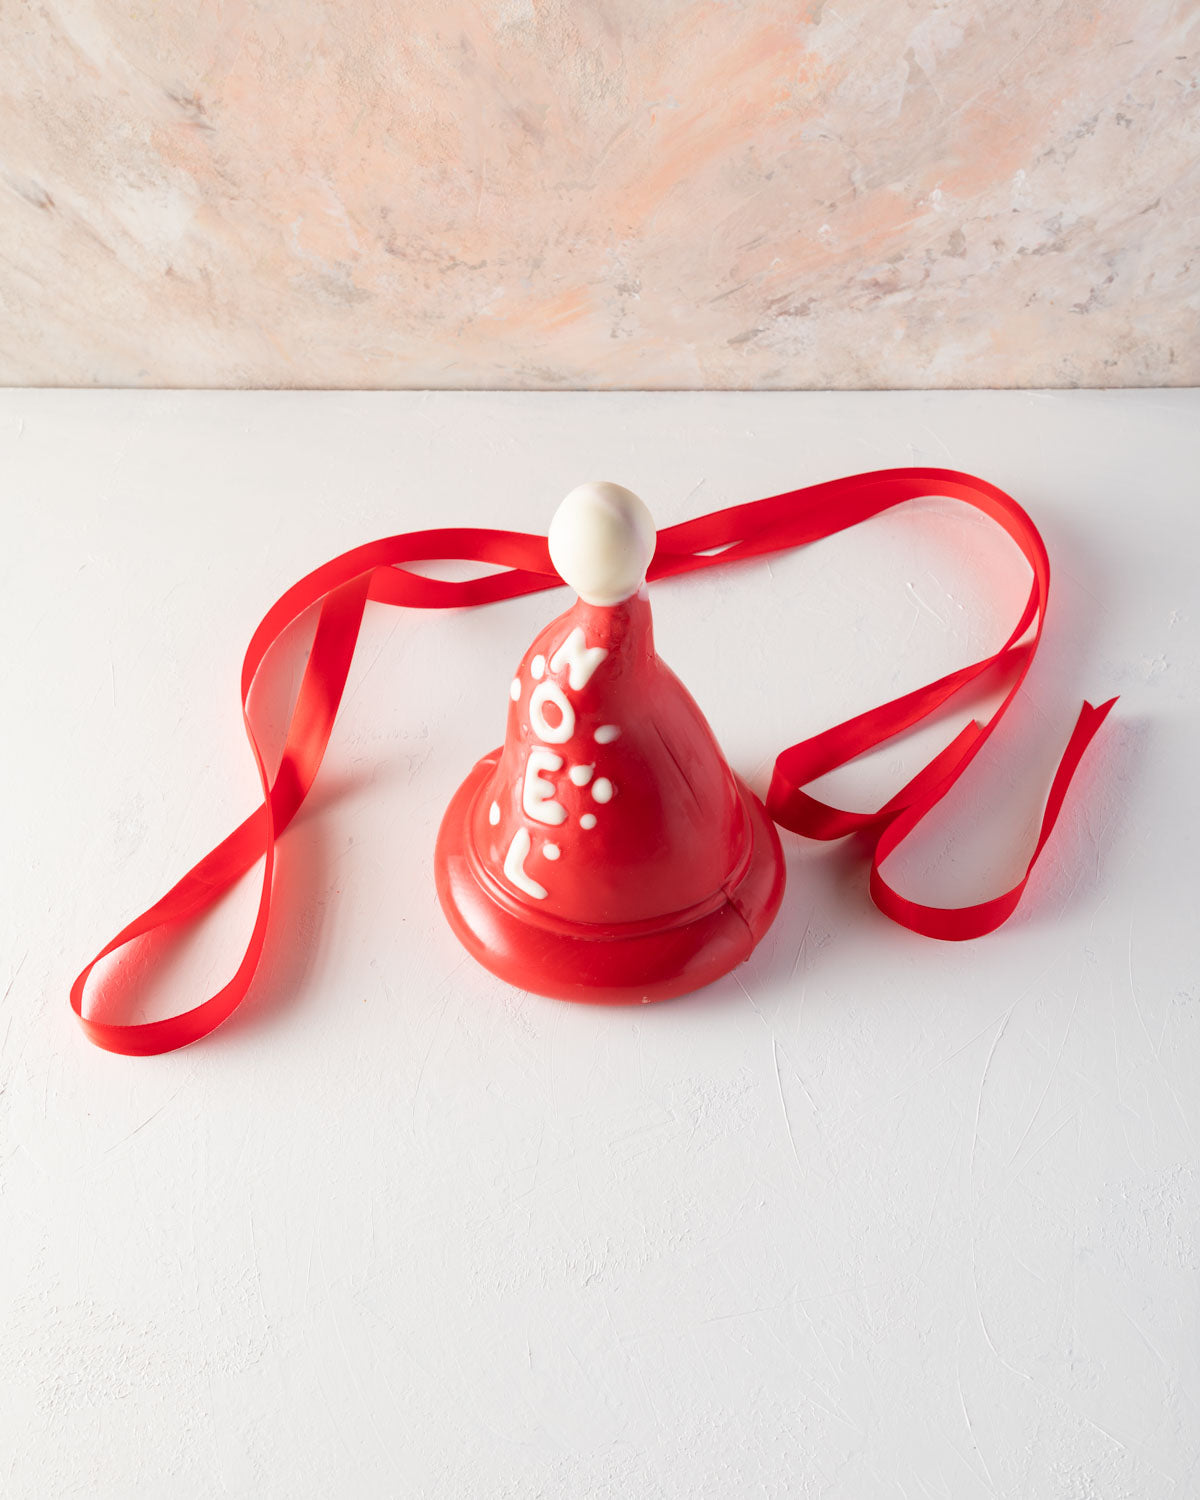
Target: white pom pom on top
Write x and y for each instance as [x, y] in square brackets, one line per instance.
[601, 542]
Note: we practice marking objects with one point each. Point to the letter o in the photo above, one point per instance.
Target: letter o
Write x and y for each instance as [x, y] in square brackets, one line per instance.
[553, 734]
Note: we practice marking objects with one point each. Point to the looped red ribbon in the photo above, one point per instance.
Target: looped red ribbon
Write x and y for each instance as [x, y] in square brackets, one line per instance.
[377, 572]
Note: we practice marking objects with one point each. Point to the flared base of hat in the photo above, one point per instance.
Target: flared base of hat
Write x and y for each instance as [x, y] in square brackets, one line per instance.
[618, 965]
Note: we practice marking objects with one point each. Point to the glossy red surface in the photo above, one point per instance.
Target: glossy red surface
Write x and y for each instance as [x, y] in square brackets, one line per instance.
[607, 852]
[612, 964]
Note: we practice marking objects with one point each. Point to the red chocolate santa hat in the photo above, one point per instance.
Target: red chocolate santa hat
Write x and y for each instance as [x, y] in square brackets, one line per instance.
[606, 852]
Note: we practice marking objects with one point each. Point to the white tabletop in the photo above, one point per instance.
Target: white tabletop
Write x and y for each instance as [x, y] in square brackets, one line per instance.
[875, 1215]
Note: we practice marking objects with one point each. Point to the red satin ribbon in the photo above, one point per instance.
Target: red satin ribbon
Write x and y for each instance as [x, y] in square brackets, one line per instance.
[377, 572]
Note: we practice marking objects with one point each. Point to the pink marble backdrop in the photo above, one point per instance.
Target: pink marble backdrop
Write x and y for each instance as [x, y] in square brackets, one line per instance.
[537, 193]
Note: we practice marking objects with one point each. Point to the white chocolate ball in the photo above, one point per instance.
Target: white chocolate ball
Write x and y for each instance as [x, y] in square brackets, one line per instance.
[601, 542]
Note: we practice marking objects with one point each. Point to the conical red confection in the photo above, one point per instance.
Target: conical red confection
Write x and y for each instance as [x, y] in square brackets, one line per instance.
[606, 852]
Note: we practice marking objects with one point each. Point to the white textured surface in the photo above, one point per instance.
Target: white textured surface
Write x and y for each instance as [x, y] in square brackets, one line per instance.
[876, 1217]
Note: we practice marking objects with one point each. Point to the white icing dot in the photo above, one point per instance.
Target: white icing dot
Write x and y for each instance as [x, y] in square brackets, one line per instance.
[551, 851]
[588, 820]
[607, 733]
[581, 775]
[494, 814]
[537, 667]
[602, 789]
[514, 691]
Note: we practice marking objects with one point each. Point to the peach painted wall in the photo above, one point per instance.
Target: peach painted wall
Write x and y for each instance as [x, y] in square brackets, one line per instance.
[540, 193]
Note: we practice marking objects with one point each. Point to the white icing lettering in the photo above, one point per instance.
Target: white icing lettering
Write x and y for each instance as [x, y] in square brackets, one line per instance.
[553, 734]
[514, 866]
[580, 659]
[537, 794]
